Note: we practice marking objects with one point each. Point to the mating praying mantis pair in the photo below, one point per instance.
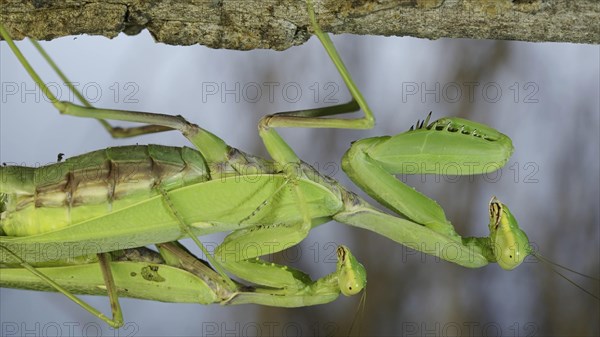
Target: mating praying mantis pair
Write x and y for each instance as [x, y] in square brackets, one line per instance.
[280, 200]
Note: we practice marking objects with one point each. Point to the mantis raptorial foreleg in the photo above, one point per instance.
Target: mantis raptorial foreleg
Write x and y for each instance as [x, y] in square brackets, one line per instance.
[371, 163]
[240, 250]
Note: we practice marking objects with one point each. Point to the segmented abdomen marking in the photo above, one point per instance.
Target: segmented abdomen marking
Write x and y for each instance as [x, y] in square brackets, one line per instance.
[54, 196]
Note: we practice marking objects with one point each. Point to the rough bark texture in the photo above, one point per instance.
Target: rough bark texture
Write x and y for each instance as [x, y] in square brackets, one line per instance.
[281, 24]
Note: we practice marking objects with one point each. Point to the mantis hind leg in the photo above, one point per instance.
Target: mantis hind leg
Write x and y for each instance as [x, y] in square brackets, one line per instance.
[115, 132]
[212, 147]
[104, 261]
[111, 288]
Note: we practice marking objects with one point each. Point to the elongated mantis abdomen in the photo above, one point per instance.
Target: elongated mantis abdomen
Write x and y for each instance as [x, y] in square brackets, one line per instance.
[80, 188]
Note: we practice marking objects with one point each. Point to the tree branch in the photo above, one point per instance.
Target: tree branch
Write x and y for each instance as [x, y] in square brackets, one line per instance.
[284, 23]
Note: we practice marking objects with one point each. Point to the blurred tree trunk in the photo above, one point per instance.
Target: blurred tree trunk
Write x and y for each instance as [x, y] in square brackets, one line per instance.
[279, 25]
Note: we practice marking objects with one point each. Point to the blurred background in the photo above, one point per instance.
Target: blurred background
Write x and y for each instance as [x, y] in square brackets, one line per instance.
[545, 96]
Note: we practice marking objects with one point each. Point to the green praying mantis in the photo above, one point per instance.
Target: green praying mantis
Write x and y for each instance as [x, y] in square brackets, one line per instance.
[181, 193]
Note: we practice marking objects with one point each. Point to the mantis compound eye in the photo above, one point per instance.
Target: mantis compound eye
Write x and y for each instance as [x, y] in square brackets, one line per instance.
[509, 243]
[352, 277]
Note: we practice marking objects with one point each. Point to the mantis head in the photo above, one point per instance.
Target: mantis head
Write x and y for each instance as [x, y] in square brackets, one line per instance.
[509, 243]
[352, 277]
